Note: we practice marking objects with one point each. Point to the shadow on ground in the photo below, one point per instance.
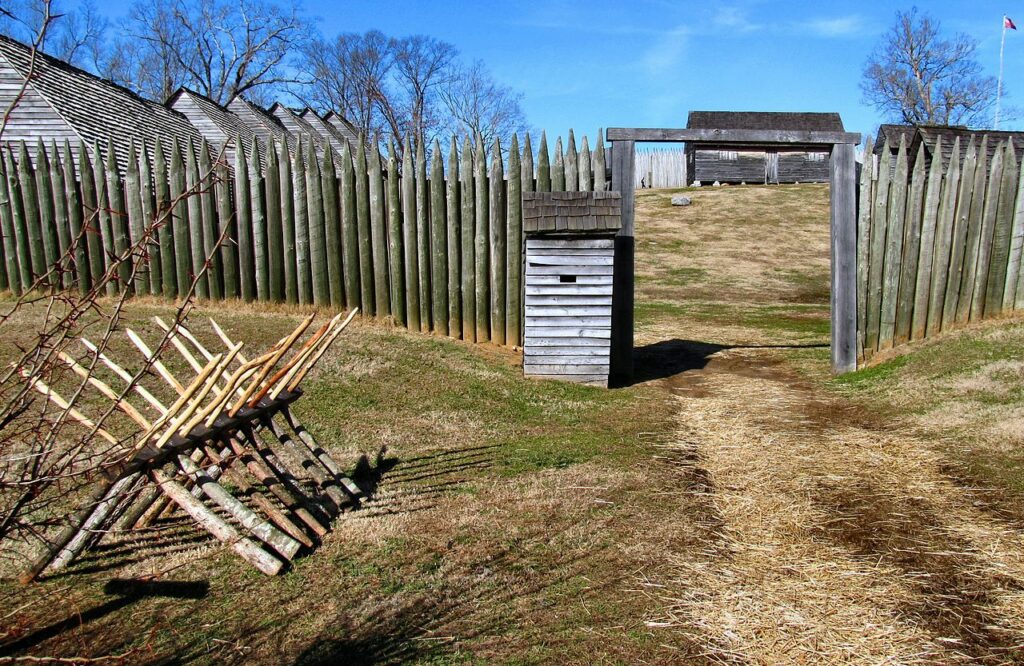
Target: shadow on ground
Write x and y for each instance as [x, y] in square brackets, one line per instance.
[668, 358]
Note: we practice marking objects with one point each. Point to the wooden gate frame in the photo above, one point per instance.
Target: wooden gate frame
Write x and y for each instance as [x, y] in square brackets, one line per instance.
[843, 230]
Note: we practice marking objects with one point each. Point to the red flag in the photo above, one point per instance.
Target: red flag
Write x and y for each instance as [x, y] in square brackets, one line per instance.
[1007, 23]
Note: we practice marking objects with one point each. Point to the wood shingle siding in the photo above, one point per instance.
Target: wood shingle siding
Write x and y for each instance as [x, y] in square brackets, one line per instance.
[327, 131]
[218, 125]
[261, 123]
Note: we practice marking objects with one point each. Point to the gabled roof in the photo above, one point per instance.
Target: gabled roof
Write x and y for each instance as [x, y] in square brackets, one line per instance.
[218, 125]
[300, 128]
[765, 120]
[340, 123]
[261, 123]
[330, 132]
[98, 110]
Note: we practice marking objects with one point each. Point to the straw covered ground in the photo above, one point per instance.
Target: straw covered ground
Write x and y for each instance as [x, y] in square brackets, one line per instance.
[737, 505]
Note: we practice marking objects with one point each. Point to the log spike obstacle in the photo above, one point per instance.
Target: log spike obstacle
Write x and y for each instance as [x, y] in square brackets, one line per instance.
[233, 420]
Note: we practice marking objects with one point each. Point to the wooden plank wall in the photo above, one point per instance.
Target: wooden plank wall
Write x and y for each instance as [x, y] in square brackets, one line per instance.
[937, 247]
[660, 167]
[434, 245]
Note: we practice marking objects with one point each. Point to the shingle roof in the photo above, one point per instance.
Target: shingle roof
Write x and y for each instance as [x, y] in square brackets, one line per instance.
[572, 212]
[217, 124]
[335, 136]
[765, 120]
[264, 125]
[97, 109]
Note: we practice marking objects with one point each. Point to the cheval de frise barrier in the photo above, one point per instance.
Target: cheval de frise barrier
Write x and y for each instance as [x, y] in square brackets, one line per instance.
[435, 245]
[939, 243]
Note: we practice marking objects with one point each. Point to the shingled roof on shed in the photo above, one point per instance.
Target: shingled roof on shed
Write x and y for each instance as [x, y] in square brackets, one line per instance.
[96, 110]
[264, 125]
[572, 212]
[329, 131]
[765, 120]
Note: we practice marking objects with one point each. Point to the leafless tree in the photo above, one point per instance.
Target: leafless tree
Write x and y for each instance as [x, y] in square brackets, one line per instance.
[220, 48]
[74, 33]
[915, 75]
[423, 67]
[350, 74]
[479, 105]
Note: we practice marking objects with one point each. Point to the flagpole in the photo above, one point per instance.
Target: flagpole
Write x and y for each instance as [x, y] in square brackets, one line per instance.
[999, 87]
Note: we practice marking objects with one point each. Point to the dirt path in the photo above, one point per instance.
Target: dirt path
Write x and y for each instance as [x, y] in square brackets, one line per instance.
[838, 539]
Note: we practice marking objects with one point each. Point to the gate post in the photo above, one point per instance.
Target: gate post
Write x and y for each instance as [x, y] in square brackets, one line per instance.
[621, 362]
[843, 191]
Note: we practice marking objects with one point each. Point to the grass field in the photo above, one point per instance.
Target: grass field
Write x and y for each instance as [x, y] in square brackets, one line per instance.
[736, 505]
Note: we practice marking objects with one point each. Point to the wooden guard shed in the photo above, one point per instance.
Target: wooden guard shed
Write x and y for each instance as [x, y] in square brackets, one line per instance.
[570, 256]
[709, 161]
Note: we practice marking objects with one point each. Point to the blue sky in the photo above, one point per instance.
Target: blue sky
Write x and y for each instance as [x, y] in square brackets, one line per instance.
[646, 63]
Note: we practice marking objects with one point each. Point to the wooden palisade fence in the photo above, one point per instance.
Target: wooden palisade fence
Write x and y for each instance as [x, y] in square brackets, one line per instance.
[938, 245]
[433, 246]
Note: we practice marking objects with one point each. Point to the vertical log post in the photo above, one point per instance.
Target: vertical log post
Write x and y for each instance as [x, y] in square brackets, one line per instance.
[844, 258]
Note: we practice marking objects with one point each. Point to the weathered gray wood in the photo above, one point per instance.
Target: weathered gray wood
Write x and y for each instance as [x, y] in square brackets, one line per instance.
[566, 369]
[216, 525]
[136, 223]
[552, 259]
[979, 285]
[999, 253]
[579, 279]
[395, 249]
[423, 248]
[600, 165]
[275, 228]
[865, 203]
[378, 234]
[598, 379]
[893, 249]
[179, 202]
[1013, 270]
[911, 250]
[332, 230]
[246, 517]
[498, 245]
[571, 244]
[150, 217]
[211, 227]
[105, 227]
[247, 271]
[816, 138]
[349, 230]
[622, 304]
[318, 265]
[529, 181]
[592, 351]
[558, 168]
[569, 299]
[468, 243]
[514, 265]
[30, 213]
[566, 310]
[482, 252]
[536, 269]
[47, 216]
[163, 219]
[259, 222]
[195, 225]
[566, 332]
[567, 290]
[438, 243]
[550, 320]
[540, 341]
[944, 234]
[300, 208]
[76, 231]
[972, 241]
[118, 223]
[90, 222]
[227, 231]
[412, 260]
[60, 219]
[586, 175]
[289, 250]
[572, 168]
[959, 235]
[543, 165]
[926, 252]
[454, 230]
[11, 271]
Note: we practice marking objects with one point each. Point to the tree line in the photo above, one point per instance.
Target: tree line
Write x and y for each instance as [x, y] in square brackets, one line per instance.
[264, 50]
